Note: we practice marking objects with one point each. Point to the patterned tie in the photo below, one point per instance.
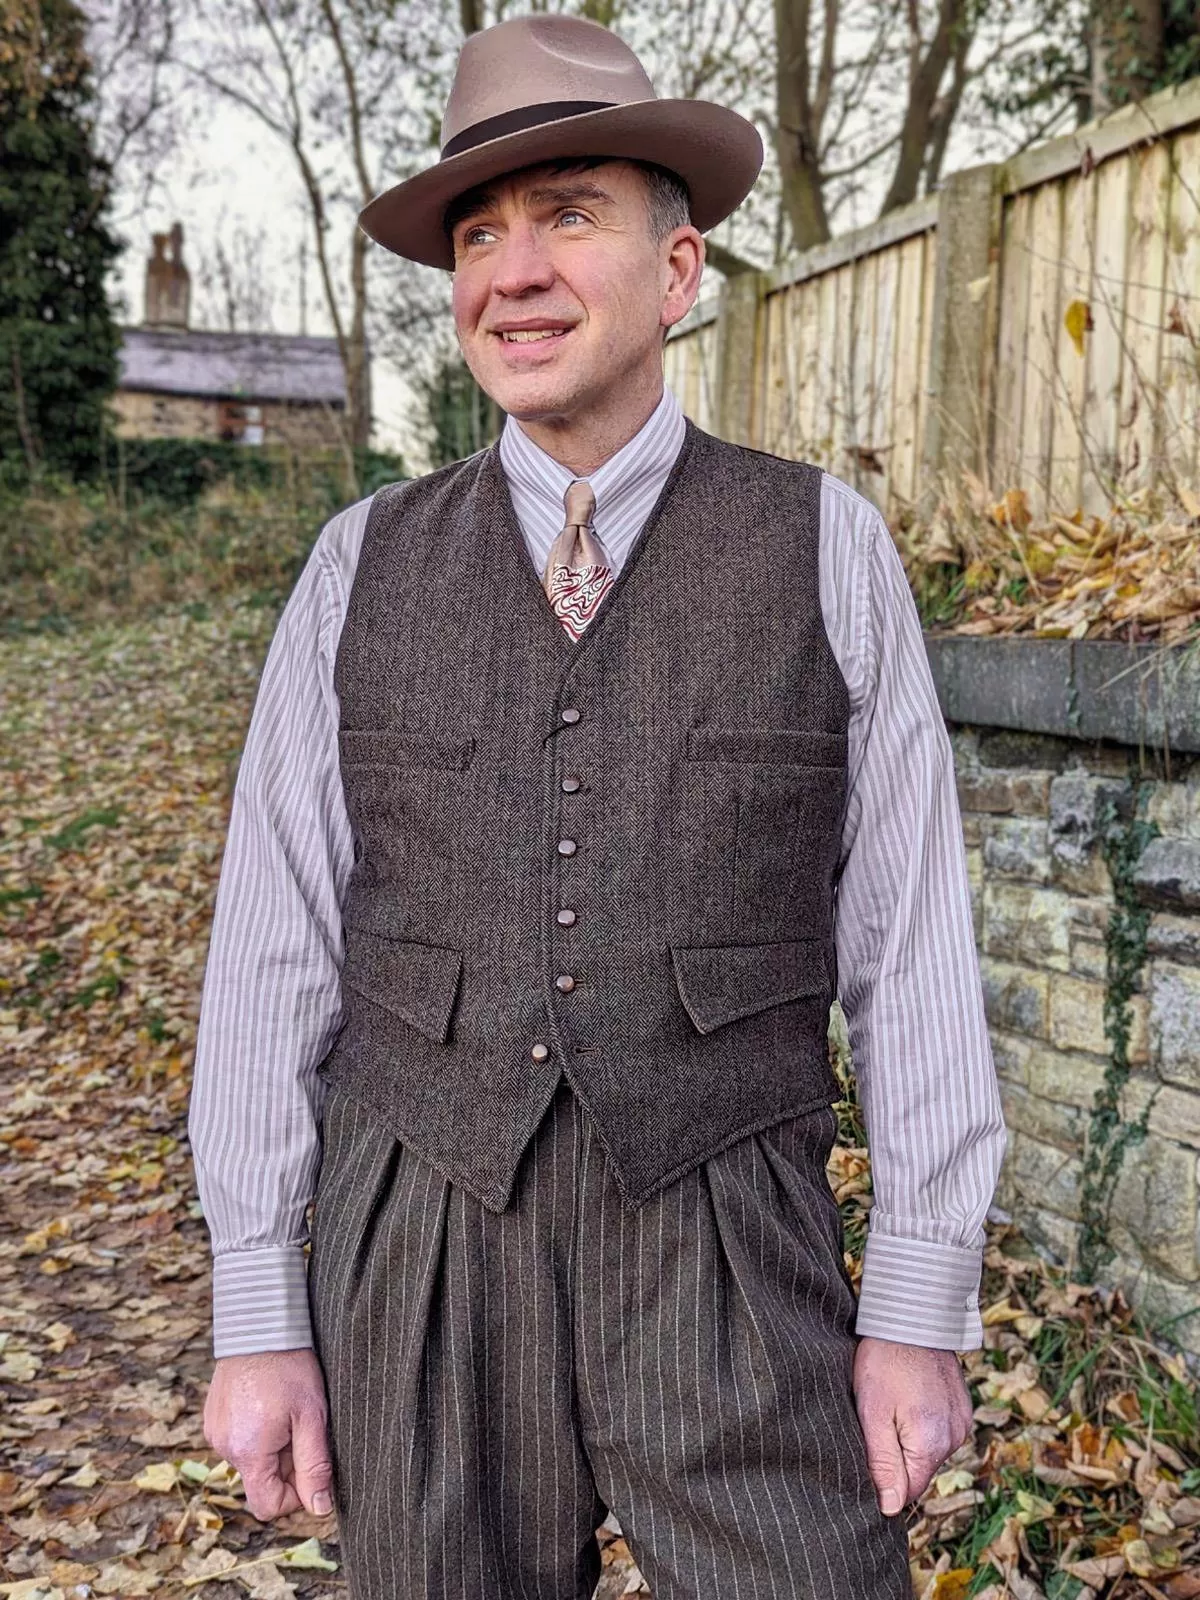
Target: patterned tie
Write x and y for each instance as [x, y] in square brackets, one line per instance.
[577, 574]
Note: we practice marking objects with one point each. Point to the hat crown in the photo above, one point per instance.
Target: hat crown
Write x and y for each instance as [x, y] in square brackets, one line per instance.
[540, 60]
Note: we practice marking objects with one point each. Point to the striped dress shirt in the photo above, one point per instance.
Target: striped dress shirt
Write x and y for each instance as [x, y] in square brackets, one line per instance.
[908, 970]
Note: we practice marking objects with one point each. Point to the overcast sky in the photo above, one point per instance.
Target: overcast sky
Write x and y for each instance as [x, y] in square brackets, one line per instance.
[239, 184]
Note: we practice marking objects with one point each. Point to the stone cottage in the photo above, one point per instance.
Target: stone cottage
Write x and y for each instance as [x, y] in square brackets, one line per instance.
[179, 382]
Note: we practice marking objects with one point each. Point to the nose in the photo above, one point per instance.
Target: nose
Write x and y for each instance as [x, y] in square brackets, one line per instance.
[522, 262]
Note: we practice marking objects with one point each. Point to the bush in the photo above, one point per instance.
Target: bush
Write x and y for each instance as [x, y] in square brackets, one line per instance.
[185, 524]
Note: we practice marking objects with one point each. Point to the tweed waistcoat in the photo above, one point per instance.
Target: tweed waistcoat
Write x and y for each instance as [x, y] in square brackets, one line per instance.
[676, 779]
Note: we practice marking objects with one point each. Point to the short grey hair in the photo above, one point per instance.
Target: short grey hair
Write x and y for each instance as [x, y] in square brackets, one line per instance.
[667, 200]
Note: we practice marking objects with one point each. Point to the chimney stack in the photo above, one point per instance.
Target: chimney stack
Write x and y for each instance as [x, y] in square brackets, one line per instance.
[168, 283]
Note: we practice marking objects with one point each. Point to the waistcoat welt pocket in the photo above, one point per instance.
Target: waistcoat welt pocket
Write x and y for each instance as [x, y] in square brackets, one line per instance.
[416, 982]
[807, 747]
[720, 983]
[398, 747]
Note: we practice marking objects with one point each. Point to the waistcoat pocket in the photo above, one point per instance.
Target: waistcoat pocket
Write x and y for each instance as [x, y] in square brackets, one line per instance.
[399, 747]
[720, 983]
[415, 982]
[804, 747]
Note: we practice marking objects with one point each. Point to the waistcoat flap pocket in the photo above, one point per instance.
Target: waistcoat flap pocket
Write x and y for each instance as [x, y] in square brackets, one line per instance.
[416, 982]
[400, 747]
[720, 983]
[805, 747]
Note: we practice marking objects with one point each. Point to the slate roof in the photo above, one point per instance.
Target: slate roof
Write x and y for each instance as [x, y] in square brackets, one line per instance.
[232, 366]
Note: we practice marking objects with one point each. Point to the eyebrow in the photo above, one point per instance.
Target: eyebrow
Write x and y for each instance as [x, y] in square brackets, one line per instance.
[560, 194]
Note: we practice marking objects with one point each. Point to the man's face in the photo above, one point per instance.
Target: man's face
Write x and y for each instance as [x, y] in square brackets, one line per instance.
[560, 291]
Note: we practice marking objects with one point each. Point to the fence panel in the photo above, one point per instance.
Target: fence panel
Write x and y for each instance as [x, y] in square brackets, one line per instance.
[1089, 365]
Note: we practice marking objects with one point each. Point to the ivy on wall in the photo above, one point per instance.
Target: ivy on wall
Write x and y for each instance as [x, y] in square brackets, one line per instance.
[1109, 1137]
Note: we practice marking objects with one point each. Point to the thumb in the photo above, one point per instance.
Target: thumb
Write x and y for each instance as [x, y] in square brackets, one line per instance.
[885, 1459]
[311, 1466]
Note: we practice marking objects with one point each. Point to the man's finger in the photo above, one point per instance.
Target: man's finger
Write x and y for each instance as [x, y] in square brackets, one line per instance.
[312, 1469]
[885, 1459]
[925, 1444]
[267, 1495]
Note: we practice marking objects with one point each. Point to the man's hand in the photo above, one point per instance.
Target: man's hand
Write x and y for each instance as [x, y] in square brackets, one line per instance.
[915, 1411]
[266, 1414]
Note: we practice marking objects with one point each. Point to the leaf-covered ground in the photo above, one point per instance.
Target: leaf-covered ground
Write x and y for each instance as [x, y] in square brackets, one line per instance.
[117, 747]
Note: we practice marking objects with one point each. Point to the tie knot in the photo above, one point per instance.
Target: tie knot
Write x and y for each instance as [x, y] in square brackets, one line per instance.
[580, 502]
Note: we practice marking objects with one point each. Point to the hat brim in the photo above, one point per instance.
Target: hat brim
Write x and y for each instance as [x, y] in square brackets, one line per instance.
[716, 152]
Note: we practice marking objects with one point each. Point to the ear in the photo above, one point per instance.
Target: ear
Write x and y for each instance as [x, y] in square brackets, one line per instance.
[683, 262]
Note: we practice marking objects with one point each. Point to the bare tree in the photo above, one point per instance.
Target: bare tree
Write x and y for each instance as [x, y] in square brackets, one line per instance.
[233, 279]
[928, 113]
[329, 79]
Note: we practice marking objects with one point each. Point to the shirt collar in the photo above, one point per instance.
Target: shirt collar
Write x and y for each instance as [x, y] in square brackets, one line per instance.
[650, 454]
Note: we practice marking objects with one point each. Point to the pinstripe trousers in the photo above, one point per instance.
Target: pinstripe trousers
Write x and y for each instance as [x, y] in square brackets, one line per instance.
[500, 1381]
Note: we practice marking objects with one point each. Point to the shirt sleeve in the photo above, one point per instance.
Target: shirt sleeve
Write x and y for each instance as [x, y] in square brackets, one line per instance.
[271, 999]
[908, 968]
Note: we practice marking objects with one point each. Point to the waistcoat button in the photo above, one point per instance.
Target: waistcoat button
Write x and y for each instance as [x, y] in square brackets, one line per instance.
[539, 1052]
[565, 982]
[566, 917]
[571, 714]
[566, 847]
[570, 784]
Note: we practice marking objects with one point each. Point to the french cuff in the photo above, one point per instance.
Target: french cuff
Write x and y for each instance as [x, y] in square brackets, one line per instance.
[914, 1292]
[260, 1301]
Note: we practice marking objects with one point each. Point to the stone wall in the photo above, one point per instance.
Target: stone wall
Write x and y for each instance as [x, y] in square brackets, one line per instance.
[171, 416]
[1042, 898]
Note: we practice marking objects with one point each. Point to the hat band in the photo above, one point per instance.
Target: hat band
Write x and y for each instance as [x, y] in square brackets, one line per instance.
[517, 121]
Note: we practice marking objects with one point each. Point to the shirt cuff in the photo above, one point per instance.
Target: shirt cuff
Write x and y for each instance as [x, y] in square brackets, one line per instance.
[915, 1292]
[260, 1301]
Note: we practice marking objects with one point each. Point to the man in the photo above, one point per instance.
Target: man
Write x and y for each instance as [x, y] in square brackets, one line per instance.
[562, 761]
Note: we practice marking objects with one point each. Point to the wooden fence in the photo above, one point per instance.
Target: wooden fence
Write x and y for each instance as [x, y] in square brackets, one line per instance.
[1037, 322]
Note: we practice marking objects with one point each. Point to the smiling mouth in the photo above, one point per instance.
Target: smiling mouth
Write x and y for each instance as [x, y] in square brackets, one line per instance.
[531, 335]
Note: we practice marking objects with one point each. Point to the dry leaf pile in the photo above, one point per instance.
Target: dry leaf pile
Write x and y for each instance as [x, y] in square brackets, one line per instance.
[117, 748]
[1132, 575]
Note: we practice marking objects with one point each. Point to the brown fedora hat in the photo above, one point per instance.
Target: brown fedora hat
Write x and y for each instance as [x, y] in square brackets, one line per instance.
[542, 87]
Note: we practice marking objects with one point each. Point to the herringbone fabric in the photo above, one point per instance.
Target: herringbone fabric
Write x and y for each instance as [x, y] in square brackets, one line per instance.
[577, 574]
[499, 1380]
[612, 858]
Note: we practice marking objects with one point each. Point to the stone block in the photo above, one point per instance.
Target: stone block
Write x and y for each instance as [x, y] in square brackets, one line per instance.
[1174, 1112]
[1168, 874]
[1044, 1120]
[1058, 1236]
[1088, 959]
[964, 741]
[1010, 1052]
[1077, 1015]
[1090, 917]
[1168, 805]
[1076, 803]
[1069, 1080]
[1176, 937]
[1156, 1199]
[1085, 875]
[1138, 1053]
[1030, 925]
[974, 857]
[1175, 1022]
[1005, 791]
[972, 831]
[1041, 1175]
[1172, 1308]
[1015, 997]
[1017, 847]
[1014, 747]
